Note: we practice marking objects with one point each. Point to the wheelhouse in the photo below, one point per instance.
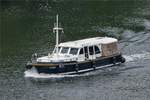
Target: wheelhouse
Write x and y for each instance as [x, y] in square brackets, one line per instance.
[86, 49]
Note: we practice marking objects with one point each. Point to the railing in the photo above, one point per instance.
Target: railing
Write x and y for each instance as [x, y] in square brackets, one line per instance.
[36, 55]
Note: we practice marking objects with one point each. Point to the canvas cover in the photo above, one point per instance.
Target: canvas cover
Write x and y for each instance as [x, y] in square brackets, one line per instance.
[109, 49]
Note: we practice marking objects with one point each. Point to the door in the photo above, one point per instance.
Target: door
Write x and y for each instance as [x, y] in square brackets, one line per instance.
[81, 56]
[91, 53]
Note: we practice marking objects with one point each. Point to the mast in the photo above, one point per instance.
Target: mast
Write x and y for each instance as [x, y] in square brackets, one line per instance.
[56, 30]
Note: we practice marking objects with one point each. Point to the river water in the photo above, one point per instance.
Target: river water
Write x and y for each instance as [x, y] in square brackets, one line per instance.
[26, 28]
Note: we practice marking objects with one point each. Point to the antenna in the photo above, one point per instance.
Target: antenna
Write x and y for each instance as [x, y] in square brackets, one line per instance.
[56, 30]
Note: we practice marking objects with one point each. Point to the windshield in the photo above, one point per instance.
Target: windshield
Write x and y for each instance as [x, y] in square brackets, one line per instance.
[55, 49]
[64, 49]
[73, 51]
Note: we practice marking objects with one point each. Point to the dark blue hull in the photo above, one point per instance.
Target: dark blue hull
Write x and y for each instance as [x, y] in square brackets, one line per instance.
[76, 67]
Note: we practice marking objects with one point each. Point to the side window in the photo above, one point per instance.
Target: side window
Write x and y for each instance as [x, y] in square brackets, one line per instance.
[64, 50]
[96, 50]
[73, 51]
[91, 51]
[81, 51]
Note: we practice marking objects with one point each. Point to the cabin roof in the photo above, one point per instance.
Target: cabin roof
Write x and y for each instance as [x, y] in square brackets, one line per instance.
[88, 42]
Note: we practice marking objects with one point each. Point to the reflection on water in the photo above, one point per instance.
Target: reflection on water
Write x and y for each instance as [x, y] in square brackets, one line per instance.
[26, 28]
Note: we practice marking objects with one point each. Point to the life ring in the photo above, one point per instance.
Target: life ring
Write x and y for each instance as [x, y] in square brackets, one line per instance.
[61, 65]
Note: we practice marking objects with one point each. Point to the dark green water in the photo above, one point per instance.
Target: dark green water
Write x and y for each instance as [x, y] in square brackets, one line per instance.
[26, 28]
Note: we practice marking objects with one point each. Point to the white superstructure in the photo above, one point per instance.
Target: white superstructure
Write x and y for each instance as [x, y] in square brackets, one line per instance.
[79, 50]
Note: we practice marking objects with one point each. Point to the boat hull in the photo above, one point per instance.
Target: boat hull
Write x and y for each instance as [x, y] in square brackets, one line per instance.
[76, 67]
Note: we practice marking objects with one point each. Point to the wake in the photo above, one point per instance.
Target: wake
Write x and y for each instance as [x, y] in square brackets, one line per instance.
[34, 74]
[136, 57]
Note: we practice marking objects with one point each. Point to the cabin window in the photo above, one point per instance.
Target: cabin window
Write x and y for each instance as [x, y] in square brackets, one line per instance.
[73, 51]
[81, 51]
[64, 49]
[97, 51]
[91, 51]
